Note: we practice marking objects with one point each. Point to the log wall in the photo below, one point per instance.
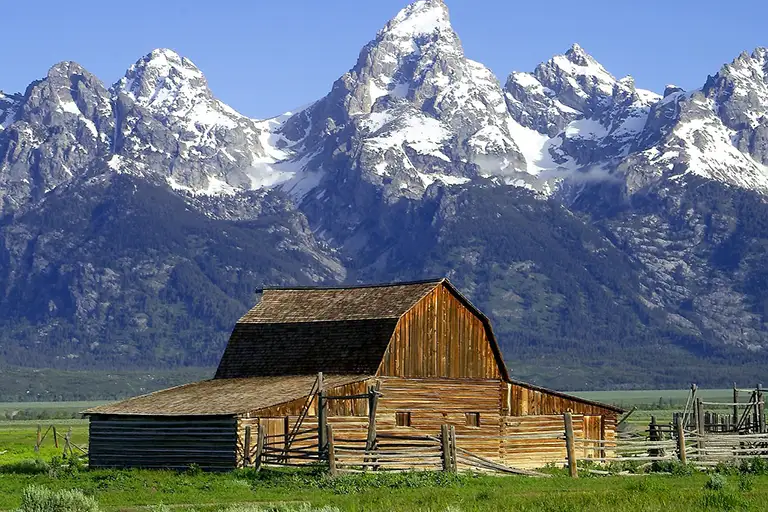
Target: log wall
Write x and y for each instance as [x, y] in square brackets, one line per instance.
[435, 402]
[528, 401]
[168, 442]
[536, 418]
[440, 337]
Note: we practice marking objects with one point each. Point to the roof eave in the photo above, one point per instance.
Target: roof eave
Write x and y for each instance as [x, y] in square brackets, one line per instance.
[566, 395]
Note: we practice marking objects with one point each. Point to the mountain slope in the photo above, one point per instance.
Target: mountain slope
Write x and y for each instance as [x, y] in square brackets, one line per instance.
[112, 270]
[615, 236]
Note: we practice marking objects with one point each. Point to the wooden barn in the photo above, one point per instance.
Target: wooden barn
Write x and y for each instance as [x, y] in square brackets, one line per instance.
[395, 359]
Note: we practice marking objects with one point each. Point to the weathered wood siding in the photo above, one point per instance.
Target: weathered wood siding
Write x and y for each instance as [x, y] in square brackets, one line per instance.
[169, 442]
[347, 407]
[440, 337]
[349, 418]
[435, 402]
[524, 401]
[536, 452]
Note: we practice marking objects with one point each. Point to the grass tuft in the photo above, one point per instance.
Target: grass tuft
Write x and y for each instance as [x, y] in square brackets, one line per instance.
[36, 498]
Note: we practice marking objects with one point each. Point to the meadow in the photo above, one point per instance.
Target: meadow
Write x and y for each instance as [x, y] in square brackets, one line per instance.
[245, 490]
[678, 489]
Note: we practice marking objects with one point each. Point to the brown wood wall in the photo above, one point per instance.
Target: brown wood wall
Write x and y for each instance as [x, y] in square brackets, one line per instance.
[440, 337]
[524, 401]
[435, 402]
[505, 410]
[168, 442]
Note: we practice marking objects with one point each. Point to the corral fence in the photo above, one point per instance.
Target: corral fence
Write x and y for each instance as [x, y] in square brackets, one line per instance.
[382, 452]
[447, 451]
[695, 437]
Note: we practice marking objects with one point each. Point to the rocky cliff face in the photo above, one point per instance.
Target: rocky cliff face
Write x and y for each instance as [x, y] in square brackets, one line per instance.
[590, 218]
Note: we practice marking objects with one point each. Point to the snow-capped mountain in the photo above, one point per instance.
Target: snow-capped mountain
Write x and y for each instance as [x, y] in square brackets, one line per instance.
[169, 121]
[412, 111]
[153, 195]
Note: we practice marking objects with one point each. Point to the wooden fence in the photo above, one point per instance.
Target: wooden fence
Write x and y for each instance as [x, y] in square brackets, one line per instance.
[451, 452]
[390, 452]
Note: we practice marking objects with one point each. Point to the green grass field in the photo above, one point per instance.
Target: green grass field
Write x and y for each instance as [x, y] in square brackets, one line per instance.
[645, 399]
[129, 490]
[136, 490]
[44, 410]
[17, 439]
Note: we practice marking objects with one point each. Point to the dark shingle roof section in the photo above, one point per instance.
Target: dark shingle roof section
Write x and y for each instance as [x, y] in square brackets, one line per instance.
[305, 348]
[331, 304]
[301, 331]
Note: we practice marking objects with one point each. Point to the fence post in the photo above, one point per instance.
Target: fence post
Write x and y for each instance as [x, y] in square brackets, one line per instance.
[55, 437]
[322, 420]
[259, 446]
[681, 442]
[286, 441]
[452, 448]
[331, 451]
[39, 438]
[653, 435]
[67, 445]
[570, 448]
[370, 443]
[700, 422]
[445, 445]
[247, 447]
[760, 409]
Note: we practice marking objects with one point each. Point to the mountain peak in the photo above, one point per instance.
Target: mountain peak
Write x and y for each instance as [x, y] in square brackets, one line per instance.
[577, 61]
[160, 76]
[576, 68]
[167, 62]
[421, 18]
[578, 55]
[65, 69]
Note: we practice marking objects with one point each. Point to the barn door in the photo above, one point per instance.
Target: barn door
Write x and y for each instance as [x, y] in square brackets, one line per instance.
[593, 429]
[275, 431]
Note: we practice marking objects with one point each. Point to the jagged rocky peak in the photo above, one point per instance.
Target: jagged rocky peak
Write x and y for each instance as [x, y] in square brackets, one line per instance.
[170, 126]
[424, 17]
[413, 110]
[67, 90]
[578, 80]
[394, 64]
[158, 78]
[739, 93]
[562, 89]
[52, 134]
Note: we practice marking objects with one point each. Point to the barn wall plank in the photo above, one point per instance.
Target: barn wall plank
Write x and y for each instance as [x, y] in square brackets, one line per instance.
[440, 337]
[162, 442]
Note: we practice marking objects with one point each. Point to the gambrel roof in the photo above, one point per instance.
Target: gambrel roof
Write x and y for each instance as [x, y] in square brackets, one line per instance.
[301, 331]
[278, 347]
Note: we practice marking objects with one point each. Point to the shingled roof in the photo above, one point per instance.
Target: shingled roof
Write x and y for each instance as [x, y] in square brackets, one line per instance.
[219, 397]
[299, 305]
[300, 331]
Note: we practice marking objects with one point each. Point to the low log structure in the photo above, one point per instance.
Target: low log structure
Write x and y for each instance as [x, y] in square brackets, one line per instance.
[376, 363]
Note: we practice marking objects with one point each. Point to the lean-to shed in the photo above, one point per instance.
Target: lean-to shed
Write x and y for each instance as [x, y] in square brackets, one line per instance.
[429, 353]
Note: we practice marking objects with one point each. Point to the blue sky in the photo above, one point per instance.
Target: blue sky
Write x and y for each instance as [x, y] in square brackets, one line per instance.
[265, 57]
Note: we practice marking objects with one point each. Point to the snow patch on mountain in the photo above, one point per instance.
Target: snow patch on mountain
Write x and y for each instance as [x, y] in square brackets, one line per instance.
[421, 18]
[9, 106]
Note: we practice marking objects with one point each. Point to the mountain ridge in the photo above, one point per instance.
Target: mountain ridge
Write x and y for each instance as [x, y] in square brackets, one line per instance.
[138, 218]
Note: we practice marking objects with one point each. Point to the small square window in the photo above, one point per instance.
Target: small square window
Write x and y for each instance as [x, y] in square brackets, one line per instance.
[473, 419]
[403, 419]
